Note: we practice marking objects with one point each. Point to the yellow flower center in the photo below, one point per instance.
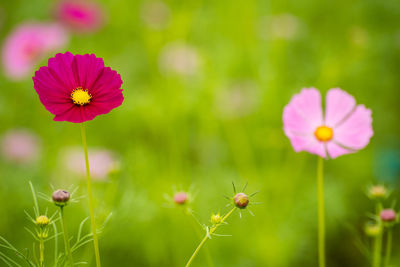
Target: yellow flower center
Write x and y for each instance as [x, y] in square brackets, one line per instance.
[81, 96]
[324, 133]
[42, 220]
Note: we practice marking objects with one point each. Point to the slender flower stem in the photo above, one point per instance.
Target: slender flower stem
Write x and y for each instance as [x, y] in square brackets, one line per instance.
[55, 245]
[388, 246]
[66, 238]
[377, 250]
[41, 251]
[196, 224]
[321, 212]
[91, 205]
[210, 232]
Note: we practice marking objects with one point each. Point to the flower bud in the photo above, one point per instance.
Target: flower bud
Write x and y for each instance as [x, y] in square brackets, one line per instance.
[61, 197]
[42, 220]
[180, 198]
[43, 234]
[377, 192]
[373, 229]
[388, 215]
[216, 218]
[241, 200]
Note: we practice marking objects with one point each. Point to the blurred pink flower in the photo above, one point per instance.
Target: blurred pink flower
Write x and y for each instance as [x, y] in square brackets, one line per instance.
[20, 146]
[282, 26]
[155, 14]
[80, 15]
[101, 161]
[179, 58]
[238, 99]
[28, 44]
[345, 128]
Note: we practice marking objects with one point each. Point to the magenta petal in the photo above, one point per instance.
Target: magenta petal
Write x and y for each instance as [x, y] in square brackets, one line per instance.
[87, 70]
[60, 68]
[339, 104]
[356, 131]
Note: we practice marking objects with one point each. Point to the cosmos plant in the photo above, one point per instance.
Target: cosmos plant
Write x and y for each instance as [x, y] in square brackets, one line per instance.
[44, 230]
[78, 88]
[381, 222]
[343, 128]
[240, 201]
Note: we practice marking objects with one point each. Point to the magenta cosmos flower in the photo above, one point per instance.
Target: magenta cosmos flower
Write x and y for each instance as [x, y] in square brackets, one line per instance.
[78, 88]
[28, 44]
[344, 127]
[80, 15]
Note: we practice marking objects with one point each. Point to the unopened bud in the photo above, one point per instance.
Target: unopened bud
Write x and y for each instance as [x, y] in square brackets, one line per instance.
[388, 215]
[180, 198]
[216, 218]
[377, 192]
[61, 197]
[241, 200]
[42, 220]
[373, 229]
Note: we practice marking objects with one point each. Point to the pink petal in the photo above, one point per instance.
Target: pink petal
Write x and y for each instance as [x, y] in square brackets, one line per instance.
[307, 143]
[356, 131]
[339, 104]
[301, 117]
[303, 114]
[335, 150]
[28, 44]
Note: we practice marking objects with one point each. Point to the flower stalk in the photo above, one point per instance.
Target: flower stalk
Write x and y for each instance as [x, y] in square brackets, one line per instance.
[66, 238]
[90, 195]
[207, 236]
[377, 247]
[388, 246]
[321, 212]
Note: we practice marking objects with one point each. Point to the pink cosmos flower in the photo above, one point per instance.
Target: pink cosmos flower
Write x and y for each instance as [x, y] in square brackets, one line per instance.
[28, 44]
[79, 15]
[78, 88]
[20, 146]
[344, 128]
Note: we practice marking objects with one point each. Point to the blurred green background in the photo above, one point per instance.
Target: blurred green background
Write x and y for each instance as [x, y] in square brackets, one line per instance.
[205, 83]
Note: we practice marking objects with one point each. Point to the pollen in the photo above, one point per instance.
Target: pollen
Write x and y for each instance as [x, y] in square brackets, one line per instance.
[81, 96]
[324, 133]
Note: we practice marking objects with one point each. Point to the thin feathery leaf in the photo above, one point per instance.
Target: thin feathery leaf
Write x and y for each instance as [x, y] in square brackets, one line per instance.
[32, 234]
[245, 186]
[253, 194]
[36, 207]
[4, 256]
[234, 188]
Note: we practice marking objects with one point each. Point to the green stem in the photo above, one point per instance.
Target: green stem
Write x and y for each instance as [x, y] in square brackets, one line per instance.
[321, 212]
[211, 231]
[66, 239]
[377, 249]
[196, 224]
[55, 245]
[388, 246]
[41, 251]
[91, 205]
